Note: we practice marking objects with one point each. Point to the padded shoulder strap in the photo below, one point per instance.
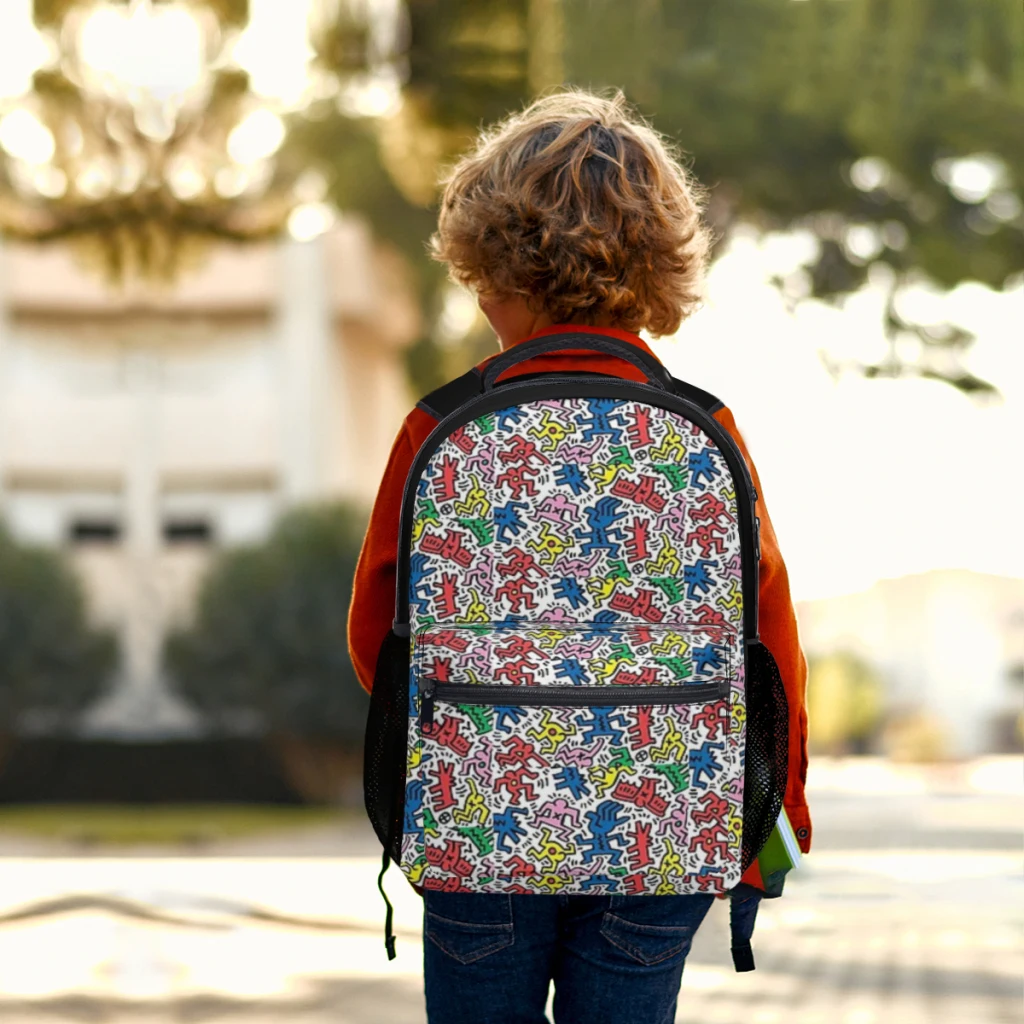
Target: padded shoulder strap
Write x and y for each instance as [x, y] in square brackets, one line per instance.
[707, 401]
[443, 401]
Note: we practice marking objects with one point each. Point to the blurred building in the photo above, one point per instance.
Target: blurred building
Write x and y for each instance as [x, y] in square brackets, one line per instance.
[140, 431]
[948, 644]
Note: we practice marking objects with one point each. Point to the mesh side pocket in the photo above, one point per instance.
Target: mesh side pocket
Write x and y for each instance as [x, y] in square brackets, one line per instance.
[384, 753]
[767, 751]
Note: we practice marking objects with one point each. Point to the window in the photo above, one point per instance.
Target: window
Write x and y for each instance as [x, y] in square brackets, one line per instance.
[94, 530]
[188, 531]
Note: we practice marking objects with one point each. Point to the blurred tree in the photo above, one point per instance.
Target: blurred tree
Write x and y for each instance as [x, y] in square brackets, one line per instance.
[844, 704]
[52, 663]
[268, 637]
[891, 129]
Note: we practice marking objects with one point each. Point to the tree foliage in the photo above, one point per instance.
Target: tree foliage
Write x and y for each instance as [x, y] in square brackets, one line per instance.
[52, 663]
[268, 635]
[891, 129]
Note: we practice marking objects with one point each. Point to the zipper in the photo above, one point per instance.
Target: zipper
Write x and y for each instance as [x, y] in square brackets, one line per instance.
[564, 696]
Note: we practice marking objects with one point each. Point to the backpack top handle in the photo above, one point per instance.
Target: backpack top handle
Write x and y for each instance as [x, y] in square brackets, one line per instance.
[655, 373]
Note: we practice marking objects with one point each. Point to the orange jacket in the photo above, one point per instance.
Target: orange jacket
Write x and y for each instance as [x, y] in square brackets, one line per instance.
[373, 595]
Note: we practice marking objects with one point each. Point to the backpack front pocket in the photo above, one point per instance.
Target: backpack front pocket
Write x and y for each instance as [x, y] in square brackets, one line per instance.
[544, 790]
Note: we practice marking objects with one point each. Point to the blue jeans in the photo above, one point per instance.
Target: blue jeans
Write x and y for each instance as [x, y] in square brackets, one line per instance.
[488, 959]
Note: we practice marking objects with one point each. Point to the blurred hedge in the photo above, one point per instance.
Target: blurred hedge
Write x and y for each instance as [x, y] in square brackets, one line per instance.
[266, 649]
[53, 664]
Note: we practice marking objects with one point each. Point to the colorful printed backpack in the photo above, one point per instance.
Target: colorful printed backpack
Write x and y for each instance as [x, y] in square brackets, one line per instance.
[573, 697]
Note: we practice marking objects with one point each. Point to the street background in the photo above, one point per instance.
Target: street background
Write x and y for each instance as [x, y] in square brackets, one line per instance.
[216, 306]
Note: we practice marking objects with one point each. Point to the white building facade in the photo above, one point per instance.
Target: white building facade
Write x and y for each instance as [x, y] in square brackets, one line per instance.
[140, 431]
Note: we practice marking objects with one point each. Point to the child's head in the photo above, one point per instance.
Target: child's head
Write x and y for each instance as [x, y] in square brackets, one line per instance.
[578, 208]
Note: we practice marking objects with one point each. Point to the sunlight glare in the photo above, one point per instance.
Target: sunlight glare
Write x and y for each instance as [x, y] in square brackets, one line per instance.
[257, 136]
[159, 51]
[23, 51]
[25, 137]
[274, 50]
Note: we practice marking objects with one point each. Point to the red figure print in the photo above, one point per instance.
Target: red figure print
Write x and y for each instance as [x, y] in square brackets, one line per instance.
[636, 540]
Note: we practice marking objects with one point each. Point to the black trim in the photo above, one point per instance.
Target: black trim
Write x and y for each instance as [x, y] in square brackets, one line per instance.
[575, 696]
[707, 401]
[650, 365]
[443, 401]
[513, 394]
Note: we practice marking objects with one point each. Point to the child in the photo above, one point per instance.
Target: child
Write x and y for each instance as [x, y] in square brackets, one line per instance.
[573, 212]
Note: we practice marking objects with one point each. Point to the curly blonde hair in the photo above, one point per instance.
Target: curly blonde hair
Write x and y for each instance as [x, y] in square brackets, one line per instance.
[579, 206]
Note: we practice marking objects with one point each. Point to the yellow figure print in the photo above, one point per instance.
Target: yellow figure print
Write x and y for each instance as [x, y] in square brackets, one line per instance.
[415, 872]
[548, 545]
[672, 747]
[735, 827]
[669, 644]
[474, 809]
[604, 475]
[551, 852]
[476, 610]
[549, 637]
[671, 864]
[605, 668]
[734, 599]
[602, 587]
[671, 448]
[550, 433]
[668, 562]
[475, 502]
[604, 776]
[550, 883]
[551, 734]
[418, 526]
[738, 714]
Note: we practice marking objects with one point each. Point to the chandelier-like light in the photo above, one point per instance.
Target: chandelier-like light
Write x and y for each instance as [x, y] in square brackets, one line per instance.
[142, 131]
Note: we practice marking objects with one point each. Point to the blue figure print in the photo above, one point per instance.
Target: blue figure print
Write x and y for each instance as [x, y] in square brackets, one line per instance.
[697, 578]
[707, 658]
[508, 418]
[604, 624]
[570, 778]
[509, 624]
[595, 880]
[507, 716]
[599, 422]
[571, 476]
[602, 722]
[507, 518]
[423, 487]
[413, 807]
[701, 465]
[507, 828]
[603, 821]
[420, 570]
[702, 762]
[568, 588]
[572, 670]
[601, 519]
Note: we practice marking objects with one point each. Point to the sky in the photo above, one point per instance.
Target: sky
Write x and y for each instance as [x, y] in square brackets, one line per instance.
[863, 479]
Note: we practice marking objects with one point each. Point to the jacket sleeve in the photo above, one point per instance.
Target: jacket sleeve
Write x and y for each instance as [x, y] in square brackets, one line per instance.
[373, 590]
[778, 629]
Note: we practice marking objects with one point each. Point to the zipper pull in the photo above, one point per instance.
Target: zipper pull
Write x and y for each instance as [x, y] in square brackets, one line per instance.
[427, 705]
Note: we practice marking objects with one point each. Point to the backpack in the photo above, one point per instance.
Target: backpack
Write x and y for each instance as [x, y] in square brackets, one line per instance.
[573, 697]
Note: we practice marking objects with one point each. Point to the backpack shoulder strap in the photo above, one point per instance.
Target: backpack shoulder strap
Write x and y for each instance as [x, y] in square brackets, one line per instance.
[443, 401]
[707, 401]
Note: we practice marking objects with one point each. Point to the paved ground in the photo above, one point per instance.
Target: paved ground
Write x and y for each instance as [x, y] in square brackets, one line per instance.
[909, 911]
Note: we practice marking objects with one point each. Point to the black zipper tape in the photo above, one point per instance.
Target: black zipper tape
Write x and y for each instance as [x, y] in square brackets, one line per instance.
[565, 696]
[513, 394]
